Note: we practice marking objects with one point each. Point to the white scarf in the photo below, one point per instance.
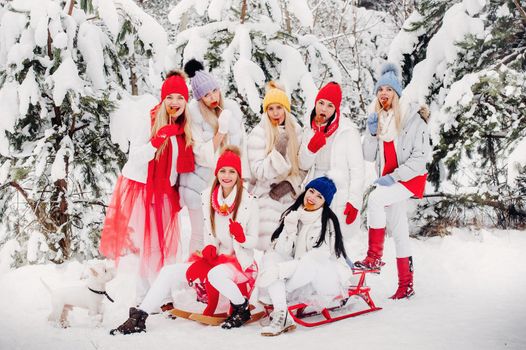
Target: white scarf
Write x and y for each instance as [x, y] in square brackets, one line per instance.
[387, 130]
[308, 219]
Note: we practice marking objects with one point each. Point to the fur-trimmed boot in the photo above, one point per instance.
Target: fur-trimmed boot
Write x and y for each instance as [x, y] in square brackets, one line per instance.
[373, 260]
[405, 278]
[240, 315]
[136, 323]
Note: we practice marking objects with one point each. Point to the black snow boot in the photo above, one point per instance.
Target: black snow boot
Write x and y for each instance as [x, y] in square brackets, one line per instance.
[136, 323]
[240, 315]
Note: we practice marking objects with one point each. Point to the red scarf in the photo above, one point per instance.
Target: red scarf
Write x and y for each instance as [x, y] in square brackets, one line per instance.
[185, 155]
[330, 130]
[223, 210]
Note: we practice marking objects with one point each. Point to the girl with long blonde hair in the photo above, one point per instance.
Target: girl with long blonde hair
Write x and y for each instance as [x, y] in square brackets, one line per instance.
[216, 121]
[142, 216]
[398, 141]
[273, 147]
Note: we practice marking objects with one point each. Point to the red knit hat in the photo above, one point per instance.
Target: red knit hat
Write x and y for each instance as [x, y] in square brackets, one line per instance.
[229, 158]
[174, 84]
[331, 92]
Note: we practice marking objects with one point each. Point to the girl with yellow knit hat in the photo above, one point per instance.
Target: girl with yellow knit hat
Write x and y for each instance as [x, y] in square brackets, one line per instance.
[273, 147]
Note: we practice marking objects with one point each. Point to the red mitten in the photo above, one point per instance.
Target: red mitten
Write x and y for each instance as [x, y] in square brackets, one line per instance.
[163, 133]
[237, 231]
[317, 141]
[209, 253]
[168, 130]
[351, 213]
[157, 141]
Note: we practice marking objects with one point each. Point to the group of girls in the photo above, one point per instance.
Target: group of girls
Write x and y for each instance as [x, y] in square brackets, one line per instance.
[293, 193]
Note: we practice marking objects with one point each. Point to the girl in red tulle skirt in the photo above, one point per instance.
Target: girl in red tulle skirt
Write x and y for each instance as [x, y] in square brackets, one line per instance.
[142, 216]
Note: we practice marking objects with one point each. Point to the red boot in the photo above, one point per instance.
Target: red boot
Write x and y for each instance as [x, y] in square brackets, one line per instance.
[405, 278]
[373, 261]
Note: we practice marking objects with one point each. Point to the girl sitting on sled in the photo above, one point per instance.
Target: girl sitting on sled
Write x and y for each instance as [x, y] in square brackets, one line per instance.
[227, 261]
[307, 256]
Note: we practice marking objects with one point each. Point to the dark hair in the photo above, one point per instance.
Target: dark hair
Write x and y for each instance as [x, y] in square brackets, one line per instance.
[326, 215]
[192, 66]
[175, 72]
[329, 121]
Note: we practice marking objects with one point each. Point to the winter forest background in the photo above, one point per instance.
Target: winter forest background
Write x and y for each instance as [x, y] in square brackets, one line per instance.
[77, 75]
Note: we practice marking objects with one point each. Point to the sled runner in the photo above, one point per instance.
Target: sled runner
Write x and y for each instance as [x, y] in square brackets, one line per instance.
[300, 314]
[215, 320]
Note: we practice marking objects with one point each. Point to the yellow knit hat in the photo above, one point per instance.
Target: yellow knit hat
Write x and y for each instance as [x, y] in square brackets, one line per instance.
[275, 94]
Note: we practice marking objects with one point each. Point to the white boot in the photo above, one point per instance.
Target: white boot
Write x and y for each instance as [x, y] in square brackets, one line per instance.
[281, 323]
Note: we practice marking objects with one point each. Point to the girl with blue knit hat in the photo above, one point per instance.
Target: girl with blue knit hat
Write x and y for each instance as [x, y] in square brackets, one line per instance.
[397, 140]
[216, 122]
[307, 258]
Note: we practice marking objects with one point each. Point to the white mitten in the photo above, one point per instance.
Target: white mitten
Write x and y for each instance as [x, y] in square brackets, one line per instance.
[224, 121]
[291, 222]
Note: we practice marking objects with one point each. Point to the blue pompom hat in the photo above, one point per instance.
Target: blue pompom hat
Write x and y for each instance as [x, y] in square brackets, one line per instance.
[390, 77]
[325, 186]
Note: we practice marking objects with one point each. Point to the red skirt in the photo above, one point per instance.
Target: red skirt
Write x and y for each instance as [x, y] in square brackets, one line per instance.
[142, 220]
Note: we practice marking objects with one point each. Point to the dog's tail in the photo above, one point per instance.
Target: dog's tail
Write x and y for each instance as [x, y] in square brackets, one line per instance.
[45, 285]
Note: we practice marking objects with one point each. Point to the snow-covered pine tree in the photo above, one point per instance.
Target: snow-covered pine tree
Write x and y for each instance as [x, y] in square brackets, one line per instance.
[248, 42]
[357, 39]
[60, 76]
[474, 79]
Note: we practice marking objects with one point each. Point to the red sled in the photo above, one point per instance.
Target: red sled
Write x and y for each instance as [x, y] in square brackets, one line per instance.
[301, 316]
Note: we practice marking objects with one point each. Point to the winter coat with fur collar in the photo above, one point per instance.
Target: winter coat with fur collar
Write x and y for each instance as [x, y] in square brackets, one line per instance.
[192, 184]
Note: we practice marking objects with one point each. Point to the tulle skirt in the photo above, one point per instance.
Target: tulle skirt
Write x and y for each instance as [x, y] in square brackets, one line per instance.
[142, 220]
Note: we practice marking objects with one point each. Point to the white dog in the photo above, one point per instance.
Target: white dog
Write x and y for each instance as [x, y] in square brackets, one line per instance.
[87, 294]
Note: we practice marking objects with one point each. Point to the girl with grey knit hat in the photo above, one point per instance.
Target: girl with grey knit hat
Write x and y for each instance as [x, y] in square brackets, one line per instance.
[216, 122]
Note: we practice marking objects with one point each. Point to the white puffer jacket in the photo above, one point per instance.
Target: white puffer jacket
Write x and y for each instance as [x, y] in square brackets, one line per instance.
[192, 184]
[346, 166]
[268, 169]
[247, 216]
[413, 150]
[298, 246]
[141, 153]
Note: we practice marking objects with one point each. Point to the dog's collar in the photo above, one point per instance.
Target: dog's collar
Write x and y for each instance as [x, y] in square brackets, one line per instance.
[101, 292]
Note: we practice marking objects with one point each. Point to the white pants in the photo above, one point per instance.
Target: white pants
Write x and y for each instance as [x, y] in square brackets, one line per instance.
[387, 208]
[196, 238]
[322, 276]
[223, 277]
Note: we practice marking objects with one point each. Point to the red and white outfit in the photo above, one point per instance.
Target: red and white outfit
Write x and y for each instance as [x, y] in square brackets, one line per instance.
[235, 261]
[402, 155]
[142, 216]
[340, 158]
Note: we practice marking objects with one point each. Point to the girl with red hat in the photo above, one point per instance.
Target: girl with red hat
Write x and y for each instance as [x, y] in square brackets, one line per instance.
[398, 141]
[226, 264]
[331, 146]
[142, 216]
[216, 122]
[273, 147]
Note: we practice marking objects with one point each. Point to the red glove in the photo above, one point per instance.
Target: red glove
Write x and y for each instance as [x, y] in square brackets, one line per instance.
[209, 253]
[237, 231]
[351, 213]
[163, 133]
[317, 141]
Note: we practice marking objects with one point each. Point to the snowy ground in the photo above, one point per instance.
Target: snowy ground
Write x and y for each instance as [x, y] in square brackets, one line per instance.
[471, 294]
